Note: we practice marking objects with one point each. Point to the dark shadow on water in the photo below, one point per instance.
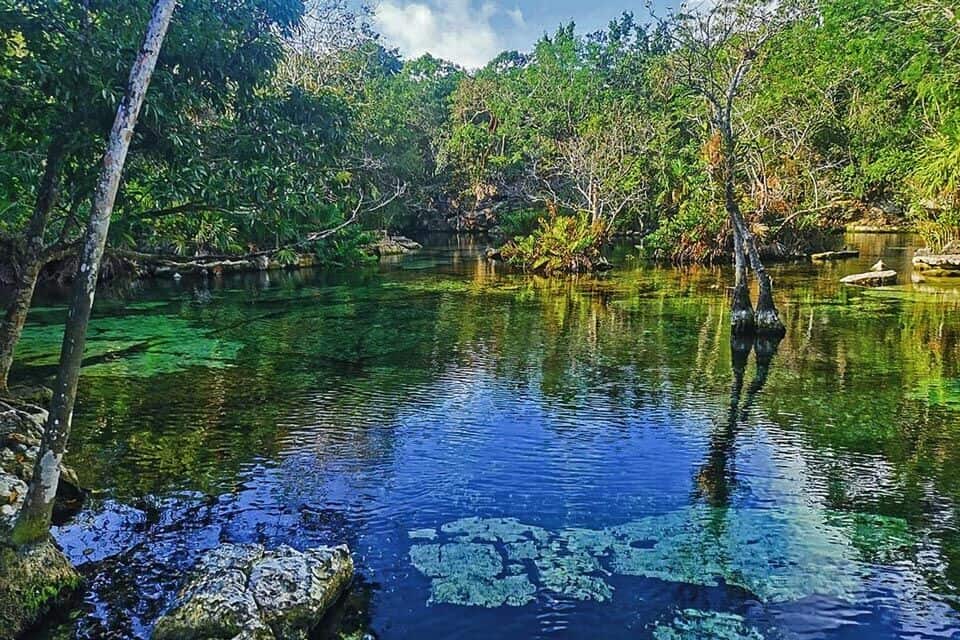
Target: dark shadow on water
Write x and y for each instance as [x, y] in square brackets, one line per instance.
[716, 478]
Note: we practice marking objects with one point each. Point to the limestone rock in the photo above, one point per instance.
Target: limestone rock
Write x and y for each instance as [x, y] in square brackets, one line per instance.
[871, 279]
[28, 394]
[937, 266]
[245, 592]
[834, 255]
[33, 581]
[21, 428]
[388, 245]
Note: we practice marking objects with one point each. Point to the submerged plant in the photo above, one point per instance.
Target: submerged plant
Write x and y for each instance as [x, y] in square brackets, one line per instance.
[135, 345]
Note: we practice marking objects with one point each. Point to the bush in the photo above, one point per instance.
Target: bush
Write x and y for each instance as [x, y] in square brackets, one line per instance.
[519, 222]
[698, 232]
[346, 248]
[560, 244]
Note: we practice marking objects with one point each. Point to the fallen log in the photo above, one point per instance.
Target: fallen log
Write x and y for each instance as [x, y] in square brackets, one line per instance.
[834, 255]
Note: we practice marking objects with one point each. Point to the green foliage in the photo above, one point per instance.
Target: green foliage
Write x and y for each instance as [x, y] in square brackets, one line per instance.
[346, 248]
[519, 222]
[560, 244]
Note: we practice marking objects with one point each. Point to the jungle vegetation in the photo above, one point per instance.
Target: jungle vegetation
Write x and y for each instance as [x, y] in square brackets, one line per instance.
[270, 124]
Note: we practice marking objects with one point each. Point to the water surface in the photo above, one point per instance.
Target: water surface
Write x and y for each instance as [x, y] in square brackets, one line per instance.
[519, 457]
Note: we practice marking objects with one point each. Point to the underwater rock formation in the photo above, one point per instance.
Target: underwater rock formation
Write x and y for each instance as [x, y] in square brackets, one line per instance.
[692, 624]
[776, 555]
[246, 592]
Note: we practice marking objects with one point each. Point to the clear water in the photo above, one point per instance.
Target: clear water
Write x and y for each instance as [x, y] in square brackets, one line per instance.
[629, 474]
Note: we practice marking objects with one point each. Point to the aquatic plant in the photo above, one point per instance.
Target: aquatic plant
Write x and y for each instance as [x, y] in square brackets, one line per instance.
[134, 345]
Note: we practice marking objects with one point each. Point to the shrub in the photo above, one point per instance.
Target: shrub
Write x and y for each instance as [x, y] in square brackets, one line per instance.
[560, 244]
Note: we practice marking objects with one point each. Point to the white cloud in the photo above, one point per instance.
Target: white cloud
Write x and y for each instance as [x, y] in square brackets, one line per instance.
[457, 30]
[517, 16]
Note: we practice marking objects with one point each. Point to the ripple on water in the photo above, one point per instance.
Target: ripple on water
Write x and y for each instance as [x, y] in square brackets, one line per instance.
[819, 502]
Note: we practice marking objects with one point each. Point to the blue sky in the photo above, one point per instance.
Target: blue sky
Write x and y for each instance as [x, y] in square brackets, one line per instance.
[471, 32]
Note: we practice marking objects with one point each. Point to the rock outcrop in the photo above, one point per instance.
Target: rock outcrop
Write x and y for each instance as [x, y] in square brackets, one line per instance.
[21, 428]
[247, 593]
[871, 279]
[34, 580]
[937, 266]
[388, 245]
[834, 255]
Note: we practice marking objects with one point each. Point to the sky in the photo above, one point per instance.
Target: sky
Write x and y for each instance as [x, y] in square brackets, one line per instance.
[472, 32]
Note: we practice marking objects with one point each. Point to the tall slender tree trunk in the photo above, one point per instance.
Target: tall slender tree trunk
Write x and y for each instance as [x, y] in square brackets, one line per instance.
[33, 523]
[766, 318]
[30, 260]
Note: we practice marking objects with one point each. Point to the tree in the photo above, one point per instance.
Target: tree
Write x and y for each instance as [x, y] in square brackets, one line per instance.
[60, 88]
[33, 522]
[716, 49]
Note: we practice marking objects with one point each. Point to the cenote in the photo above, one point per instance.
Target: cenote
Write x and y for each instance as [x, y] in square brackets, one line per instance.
[517, 457]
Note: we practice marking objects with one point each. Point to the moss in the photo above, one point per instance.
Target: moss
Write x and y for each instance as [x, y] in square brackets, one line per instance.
[34, 581]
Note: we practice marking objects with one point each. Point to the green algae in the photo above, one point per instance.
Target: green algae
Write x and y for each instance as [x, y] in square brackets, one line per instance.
[137, 345]
[692, 624]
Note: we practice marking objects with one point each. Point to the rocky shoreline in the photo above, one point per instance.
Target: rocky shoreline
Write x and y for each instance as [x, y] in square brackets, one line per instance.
[34, 580]
[929, 265]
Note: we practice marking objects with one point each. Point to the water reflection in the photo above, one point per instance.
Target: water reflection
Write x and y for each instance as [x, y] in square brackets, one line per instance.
[717, 476]
[322, 408]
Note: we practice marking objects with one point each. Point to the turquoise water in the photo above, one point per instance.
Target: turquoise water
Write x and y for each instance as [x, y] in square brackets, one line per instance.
[516, 457]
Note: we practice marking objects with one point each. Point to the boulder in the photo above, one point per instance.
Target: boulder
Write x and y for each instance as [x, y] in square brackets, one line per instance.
[37, 579]
[34, 581]
[871, 279]
[244, 592]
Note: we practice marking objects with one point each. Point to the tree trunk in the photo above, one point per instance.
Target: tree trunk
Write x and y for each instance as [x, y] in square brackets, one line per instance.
[11, 328]
[30, 260]
[33, 523]
[766, 318]
[742, 316]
